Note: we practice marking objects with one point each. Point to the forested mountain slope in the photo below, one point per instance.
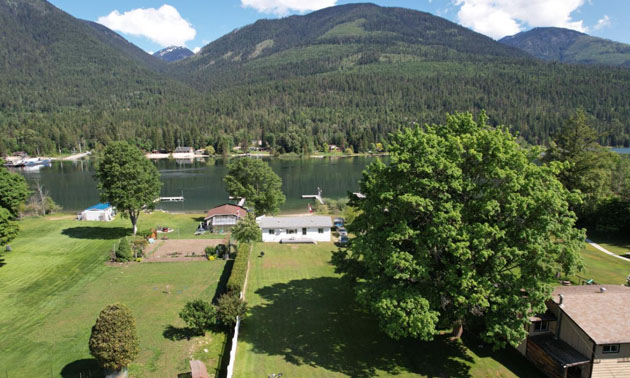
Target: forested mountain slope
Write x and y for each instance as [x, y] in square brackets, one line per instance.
[347, 75]
[570, 46]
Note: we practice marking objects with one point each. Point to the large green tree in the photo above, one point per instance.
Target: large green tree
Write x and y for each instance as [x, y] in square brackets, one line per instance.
[461, 228]
[254, 180]
[587, 166]
[127, 180]
[114, 339]
[13, 192]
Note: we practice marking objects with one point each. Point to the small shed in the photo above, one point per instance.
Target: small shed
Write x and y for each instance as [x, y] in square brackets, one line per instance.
[103, 212]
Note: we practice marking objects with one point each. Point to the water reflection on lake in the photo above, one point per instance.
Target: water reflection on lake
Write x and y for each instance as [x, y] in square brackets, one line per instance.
[72, 184]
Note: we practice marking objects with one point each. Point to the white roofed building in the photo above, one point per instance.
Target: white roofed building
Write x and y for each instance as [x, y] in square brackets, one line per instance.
[304, 229]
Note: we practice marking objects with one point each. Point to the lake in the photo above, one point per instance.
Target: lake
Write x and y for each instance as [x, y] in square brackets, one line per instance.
[72, 184]
[624, 150]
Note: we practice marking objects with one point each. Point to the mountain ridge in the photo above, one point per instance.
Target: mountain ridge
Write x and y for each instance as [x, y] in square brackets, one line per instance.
[173, 53]
[569, 46]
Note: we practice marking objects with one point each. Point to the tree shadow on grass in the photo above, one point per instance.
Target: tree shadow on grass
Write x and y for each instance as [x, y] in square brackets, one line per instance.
[2, 262]
[509, 357]
[178, 333]
[315, 322]
[86, 368]
[97, 232]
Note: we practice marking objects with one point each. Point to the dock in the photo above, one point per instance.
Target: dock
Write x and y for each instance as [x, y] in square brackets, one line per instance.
[171, 199]
[317, 196]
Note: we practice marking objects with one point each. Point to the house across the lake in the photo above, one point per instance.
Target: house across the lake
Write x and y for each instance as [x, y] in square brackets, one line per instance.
[585, 333]
[184, 150]
[304, 229]
[223, 218]
[103, 212]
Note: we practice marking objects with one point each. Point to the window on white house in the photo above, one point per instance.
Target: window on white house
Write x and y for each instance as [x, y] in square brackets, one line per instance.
[291, 231]
[272, 231]
[320, 230]
[541, 326]
[611, 348]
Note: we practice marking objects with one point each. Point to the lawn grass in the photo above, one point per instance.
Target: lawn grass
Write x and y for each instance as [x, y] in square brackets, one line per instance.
[603, 268]
[303, 323]
[616, 245]
[56, 281]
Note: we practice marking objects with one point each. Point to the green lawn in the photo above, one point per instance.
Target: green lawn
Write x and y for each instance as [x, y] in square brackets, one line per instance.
[619, 246]
[56, 281]
[303, 323]
[603, 268]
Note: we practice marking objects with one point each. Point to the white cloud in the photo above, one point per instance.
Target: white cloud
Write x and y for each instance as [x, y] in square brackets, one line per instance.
[163, 26]
[196, 49]
[498, 18]
[603, 22]
[282, 7]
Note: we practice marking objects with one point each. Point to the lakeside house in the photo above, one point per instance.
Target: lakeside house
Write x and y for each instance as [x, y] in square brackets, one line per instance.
[103, 212]
[223, 218]
[184, 150]
[302, 229]
[585, 333]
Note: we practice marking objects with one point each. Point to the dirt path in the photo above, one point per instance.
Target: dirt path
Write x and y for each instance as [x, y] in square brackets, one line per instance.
[77, 156]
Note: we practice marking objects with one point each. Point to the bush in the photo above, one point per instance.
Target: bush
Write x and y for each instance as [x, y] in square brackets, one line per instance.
[138, 245]
[138, 259]
[123, 252]
[199, 315]
[211, 258]
[239, 270]
[230, 306]
[221, 250]
[114, 339]
[145, 234]
[209, 251]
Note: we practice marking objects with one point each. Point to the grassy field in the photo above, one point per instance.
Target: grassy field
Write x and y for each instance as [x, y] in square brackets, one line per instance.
[303, 323]
[55, 282]
[603, 268]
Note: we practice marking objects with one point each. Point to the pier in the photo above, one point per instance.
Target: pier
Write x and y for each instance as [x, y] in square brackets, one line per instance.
[317, 196]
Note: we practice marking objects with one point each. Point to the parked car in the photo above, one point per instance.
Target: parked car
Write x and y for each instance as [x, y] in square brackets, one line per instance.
[342, 231]
[339, 222]
[344, 240]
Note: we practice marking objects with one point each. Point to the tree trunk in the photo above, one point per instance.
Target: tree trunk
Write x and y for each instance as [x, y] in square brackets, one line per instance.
[122, 373]
[134, 221]
[458, 330]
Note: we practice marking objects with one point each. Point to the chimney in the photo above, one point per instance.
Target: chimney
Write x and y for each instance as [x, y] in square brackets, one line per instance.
[561, 299]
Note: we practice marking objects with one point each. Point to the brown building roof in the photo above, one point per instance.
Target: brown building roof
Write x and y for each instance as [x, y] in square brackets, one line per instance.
[226, 209]
[603, 316]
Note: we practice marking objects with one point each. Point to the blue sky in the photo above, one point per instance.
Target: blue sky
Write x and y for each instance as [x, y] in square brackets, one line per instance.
[153, 25]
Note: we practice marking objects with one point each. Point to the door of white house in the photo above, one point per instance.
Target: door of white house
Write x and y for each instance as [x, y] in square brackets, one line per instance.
[303, 231]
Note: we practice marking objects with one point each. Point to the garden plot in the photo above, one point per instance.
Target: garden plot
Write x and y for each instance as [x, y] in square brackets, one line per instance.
[181, 249]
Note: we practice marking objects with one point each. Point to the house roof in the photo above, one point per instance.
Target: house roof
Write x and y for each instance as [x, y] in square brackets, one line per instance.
[295, 222]
[99, 206]
[603, 316]
[227, 209]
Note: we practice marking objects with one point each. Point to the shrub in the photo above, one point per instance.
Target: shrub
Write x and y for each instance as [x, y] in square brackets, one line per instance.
[247, 230]
[221, 250]
[209, 251]
[145, 234]
[199, 315]
[114, 339]
[138, 245]
[138, 259]
[239, 270]
[123, 252]
[230, 306]
[211, 258]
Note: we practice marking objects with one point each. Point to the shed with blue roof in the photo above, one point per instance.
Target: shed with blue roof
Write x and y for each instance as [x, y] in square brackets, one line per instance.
[103, 212]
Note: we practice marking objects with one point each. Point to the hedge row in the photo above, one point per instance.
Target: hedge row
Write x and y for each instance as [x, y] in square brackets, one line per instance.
[239, 270]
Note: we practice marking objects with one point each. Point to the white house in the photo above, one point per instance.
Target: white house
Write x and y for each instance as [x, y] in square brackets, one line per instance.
[103, 212]
[307, 229]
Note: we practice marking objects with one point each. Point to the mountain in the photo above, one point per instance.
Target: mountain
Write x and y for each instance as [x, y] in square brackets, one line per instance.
[341, 36]
[348, 75]
[173, 53]
[569, 46]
